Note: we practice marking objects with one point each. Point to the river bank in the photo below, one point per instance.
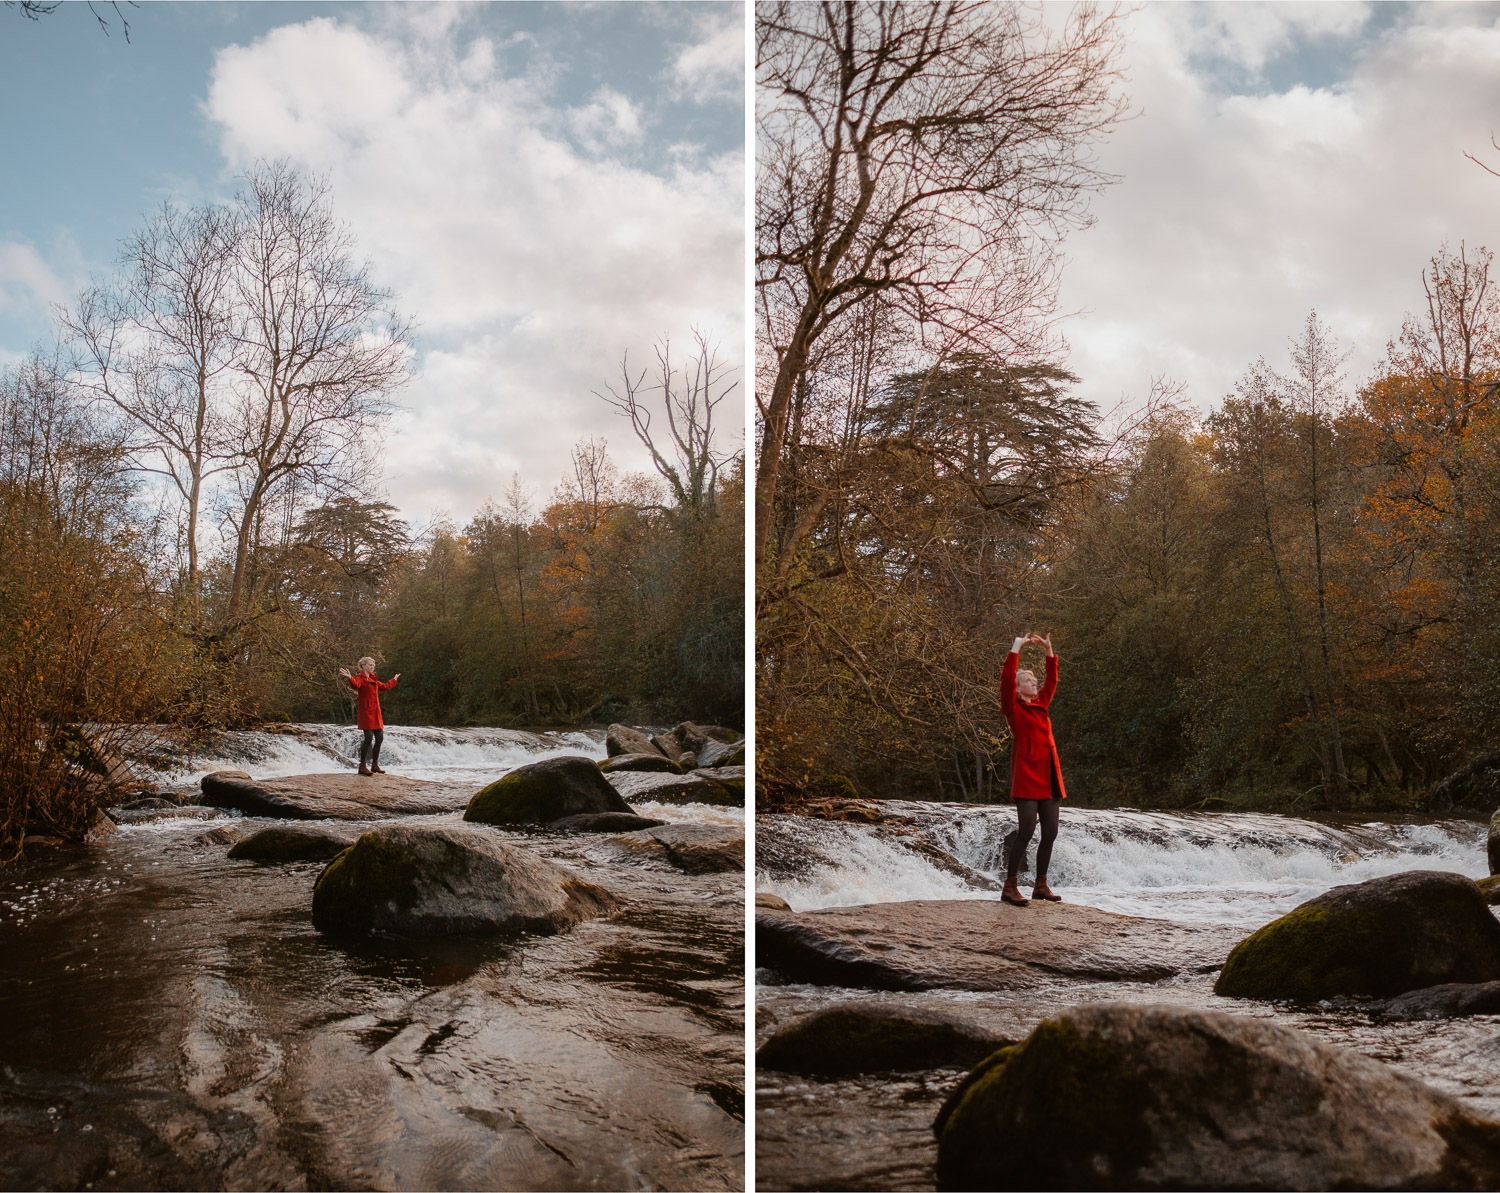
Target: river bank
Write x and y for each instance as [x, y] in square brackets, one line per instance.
[179, 1023]
[1220, 875]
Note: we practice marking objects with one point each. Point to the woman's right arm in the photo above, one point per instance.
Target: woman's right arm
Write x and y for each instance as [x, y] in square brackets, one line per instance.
[1008, 679]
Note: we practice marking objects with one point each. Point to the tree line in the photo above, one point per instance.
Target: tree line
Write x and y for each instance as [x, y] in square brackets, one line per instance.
[1289, 602]
[192, 532]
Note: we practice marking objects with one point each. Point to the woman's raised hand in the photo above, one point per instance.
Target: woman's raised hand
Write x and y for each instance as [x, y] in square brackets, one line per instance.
[344, 671]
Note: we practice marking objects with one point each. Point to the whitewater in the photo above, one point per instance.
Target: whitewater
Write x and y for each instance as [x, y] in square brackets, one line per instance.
[1243, 869]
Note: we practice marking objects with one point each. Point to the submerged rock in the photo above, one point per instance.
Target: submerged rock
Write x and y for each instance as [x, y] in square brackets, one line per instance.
[862, 1037]
[287, 843]
[692, 848]
[542, 792]
[1451, 1000]
[641, 762]
[673, 789]
[979, 944]
[604, 822]
[1121, 1096]
[430, 880]
[622, 739]
[1377, 938]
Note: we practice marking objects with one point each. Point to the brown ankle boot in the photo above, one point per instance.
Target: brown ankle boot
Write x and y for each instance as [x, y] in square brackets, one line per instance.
[1040, 890]
[1012, 894]
[376, 769]
[363, 769]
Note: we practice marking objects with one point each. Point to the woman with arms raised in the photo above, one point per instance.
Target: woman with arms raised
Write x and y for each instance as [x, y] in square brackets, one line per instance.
[1036, 786]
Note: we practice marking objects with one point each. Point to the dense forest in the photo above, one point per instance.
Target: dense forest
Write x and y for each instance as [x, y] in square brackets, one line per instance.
[193, 533]
[1291, 601]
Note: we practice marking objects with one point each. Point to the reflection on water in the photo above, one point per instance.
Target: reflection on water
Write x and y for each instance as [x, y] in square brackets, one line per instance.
[172, 1020]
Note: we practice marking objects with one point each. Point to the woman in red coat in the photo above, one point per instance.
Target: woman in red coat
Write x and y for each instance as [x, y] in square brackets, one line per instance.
[369, 718]
[1036, 785]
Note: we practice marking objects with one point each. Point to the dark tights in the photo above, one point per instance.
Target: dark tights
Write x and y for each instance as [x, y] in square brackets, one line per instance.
[376, 736]
[1027, 813]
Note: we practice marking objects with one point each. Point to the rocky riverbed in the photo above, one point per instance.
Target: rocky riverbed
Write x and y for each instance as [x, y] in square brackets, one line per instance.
[890, 914]
[176, 1021]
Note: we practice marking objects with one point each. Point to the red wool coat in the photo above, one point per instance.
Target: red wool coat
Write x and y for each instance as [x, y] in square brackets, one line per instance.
[369, 689]
[1033, 752]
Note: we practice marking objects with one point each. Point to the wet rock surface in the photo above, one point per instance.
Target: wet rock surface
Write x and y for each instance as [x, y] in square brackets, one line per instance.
[692, 848]
[673, 789]
[1447, 1001]
[1123, 1096]
[603, 822]
[347, 796]
[174, 1020]
[450, 880]
[866, 1037]
[623, 739]
[1377, 938]
[652, 762]
[542, 792]
[979, 945]
[292, 843]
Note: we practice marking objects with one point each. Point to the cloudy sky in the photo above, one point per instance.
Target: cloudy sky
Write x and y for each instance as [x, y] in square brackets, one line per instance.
[545, 187]
[1283, 158]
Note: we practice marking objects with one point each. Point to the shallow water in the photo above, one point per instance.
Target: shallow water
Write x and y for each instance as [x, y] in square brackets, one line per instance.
[875, 1131]
[174, 1021]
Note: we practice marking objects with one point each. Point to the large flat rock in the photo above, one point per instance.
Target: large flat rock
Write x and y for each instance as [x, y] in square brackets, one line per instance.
[980, 944]
[348, 796]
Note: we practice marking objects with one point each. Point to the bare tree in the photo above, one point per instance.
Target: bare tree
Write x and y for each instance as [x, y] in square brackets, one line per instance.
[689, 398]
[317, 350]
[157, 345]
[928, 154]
[35, 10]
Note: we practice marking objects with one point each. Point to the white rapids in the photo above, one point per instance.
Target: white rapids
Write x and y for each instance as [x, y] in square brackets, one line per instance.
[1228, 868]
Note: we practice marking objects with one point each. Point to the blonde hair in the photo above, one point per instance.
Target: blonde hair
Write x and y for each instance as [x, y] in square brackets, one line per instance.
[1026, 671]
[367, 659]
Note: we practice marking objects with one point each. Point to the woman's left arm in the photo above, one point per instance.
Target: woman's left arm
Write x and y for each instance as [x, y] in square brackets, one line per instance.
[1049, 684]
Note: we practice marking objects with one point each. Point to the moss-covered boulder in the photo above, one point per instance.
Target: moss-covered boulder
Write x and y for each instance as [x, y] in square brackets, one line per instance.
[542, 792]
[622, 739]
[286, 843]
[1492, 845]
[651, 763]
[447, 880]
[731, 778]
[1377, 938]
[1123, 1096]
[1490, 889]
[863, 1037]
[718, 753]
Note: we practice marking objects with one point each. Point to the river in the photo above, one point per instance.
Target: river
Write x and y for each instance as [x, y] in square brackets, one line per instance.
[1235, 869]
[173, 1021]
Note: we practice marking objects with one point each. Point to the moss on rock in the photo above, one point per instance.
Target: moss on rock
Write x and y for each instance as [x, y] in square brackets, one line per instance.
[1378, 938]
[546, 791]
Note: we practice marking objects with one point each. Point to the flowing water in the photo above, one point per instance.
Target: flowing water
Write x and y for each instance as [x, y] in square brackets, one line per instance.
[1236, 869]
[171, 1019]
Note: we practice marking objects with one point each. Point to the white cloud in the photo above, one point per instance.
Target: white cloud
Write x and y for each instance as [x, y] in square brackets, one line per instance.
[1239, 213]
[608, 120]
[531, 266]
[713, 67]
[30, 284]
